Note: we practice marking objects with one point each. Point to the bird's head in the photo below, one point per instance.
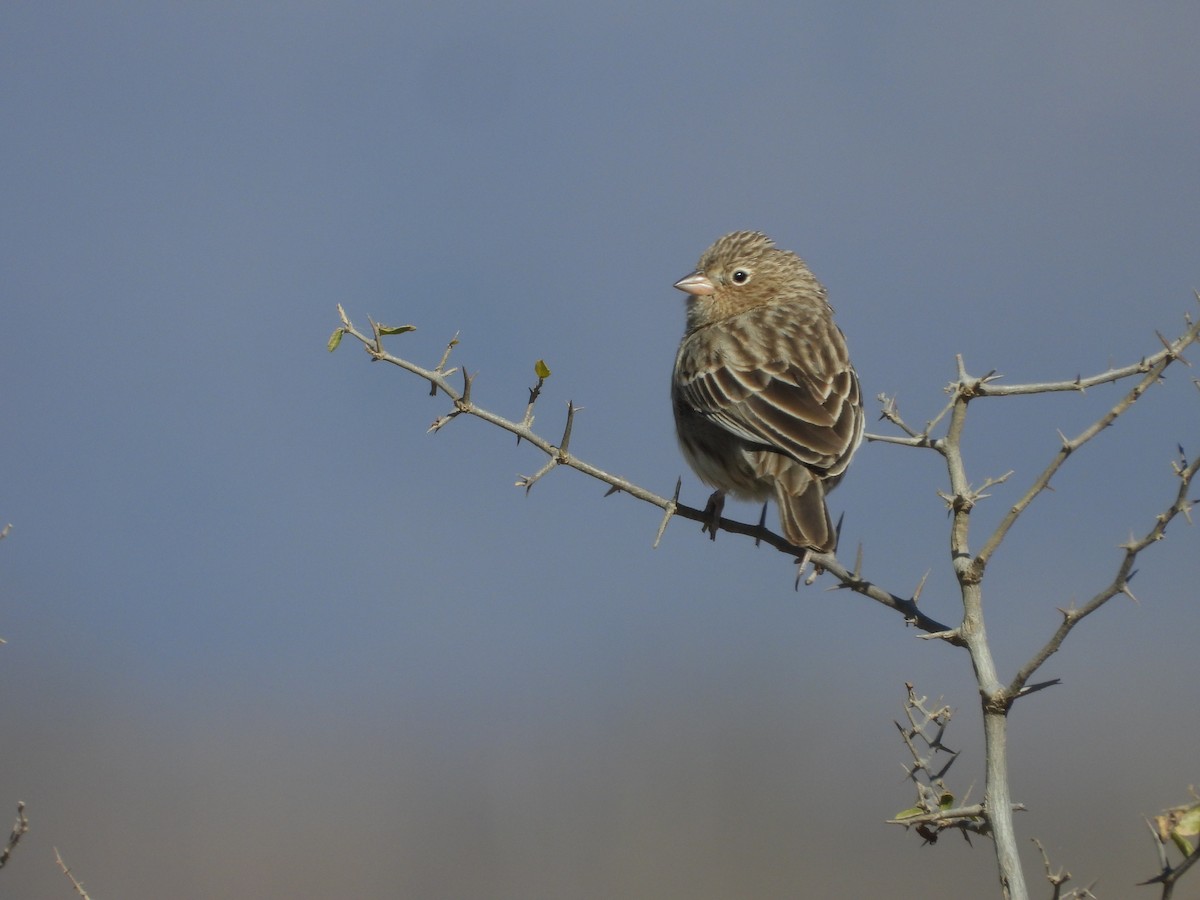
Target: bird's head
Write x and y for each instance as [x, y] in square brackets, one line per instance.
[743, 270]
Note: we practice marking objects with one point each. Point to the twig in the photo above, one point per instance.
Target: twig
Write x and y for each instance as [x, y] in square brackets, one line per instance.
[75, 882]
[1061, 877]
[1120, 582]
[19, 830]
[1153, 367]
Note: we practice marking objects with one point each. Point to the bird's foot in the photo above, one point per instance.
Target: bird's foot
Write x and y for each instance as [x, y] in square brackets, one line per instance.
[712, 514]
[802, 562]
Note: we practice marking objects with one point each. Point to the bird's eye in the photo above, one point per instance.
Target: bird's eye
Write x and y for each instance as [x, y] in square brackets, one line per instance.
[740, 276]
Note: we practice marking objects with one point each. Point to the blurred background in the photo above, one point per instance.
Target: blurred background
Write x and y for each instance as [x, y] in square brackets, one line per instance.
[266, 637]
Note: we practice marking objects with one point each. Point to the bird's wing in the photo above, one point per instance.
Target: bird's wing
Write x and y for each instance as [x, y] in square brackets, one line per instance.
[780, 382]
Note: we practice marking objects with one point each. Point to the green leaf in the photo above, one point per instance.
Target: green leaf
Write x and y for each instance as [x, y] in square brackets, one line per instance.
[909, 813]
[541, 369]
[335, 339]
[1189, 822]
[946, 801]
[1184, 845]
[396, 329]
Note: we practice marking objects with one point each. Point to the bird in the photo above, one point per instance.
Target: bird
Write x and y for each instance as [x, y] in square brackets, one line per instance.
[766, 402]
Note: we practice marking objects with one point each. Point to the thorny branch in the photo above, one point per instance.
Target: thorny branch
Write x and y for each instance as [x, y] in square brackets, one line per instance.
[75, 882]
[997, 697]
[935, 809]
[559, 456]
[1071, 617]
[19, 830]
[1157, 365]
[1061, 877]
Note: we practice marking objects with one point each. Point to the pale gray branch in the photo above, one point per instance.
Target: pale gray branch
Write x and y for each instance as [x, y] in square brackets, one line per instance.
[1080, 384]
[19, 830]
[558, 456]
[1157, 364]
[75, 882]
[1120, 582]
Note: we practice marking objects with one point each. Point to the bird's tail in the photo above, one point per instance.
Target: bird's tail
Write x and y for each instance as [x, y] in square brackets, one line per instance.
[800, 496]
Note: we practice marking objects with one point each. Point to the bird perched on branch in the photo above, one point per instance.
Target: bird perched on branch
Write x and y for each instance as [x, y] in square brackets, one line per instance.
[766, 402]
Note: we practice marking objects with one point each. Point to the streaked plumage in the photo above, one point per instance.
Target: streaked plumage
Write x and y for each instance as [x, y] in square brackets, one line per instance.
[766, 402]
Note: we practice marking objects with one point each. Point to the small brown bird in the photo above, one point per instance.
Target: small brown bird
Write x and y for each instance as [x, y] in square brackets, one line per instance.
[766, 401]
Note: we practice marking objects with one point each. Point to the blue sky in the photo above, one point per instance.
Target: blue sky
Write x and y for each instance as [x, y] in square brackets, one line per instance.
[267, 637]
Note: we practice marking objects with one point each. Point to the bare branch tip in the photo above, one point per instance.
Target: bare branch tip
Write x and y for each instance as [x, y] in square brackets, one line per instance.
[951, 636]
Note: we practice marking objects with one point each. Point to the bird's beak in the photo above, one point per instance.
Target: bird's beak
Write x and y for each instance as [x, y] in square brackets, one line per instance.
[697, 284]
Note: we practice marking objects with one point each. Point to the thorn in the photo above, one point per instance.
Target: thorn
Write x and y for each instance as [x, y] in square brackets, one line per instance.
[566, 438]
[670, 511]
[612, 490]
[468, 380]
[920, 587]
[762, 523]
[1128, 593]
[1040, 686]
[1171, 353]
[858, 561]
